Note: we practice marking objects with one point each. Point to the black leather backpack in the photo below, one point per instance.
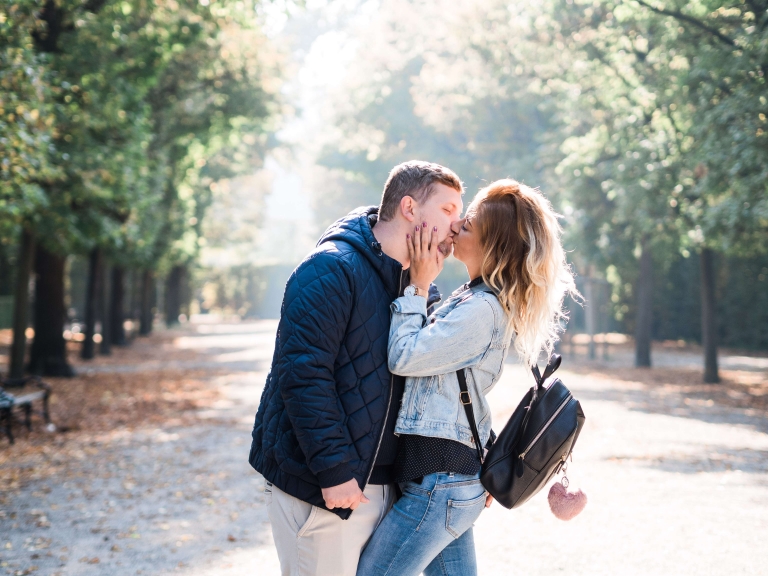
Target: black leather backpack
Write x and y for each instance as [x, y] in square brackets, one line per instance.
[535, 442]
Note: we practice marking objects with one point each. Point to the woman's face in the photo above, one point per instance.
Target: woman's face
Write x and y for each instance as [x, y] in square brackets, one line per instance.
[466, 243]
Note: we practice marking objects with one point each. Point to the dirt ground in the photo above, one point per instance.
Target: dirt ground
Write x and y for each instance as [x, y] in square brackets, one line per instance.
[147, 472]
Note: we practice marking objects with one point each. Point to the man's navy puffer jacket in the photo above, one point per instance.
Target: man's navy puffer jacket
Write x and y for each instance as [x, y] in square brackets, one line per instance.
[325, 401]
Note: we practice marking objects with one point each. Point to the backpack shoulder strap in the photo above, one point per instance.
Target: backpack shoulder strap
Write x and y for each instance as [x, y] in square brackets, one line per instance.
[466, 400]
[552, 366]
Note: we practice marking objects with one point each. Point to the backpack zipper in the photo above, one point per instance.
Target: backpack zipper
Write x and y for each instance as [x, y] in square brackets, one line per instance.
[544, 428]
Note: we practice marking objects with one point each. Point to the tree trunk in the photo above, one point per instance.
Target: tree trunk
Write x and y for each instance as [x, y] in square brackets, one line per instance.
[21, 303]
[7, 281]
[147, 297]
[105, 347]
[49, 350]
[173, 295]
[709, 316]
[117, 317]
[91, 303]
[644, 307]
[136, 289]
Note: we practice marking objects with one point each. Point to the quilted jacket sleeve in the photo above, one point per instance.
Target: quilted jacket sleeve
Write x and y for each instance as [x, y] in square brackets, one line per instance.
[317, 306]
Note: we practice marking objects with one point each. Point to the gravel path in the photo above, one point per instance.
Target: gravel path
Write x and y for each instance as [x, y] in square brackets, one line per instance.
[677, 485]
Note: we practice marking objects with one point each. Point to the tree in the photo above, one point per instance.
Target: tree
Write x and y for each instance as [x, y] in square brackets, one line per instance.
[26, 134]
[687, 80]
[209, 115]
[701, 68]
[723, 46]
[115, 180]
[98, 147]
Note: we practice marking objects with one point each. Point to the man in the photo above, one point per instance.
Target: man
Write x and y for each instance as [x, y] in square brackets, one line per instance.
[324, 432]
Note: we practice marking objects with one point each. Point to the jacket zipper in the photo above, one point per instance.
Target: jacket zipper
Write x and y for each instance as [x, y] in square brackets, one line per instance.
[544, 428]
[389, 402]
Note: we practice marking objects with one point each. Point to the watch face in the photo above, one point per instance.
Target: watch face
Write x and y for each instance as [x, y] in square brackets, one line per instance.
[410, 290]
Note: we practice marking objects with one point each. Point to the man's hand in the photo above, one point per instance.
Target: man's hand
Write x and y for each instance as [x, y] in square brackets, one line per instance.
[347, 495]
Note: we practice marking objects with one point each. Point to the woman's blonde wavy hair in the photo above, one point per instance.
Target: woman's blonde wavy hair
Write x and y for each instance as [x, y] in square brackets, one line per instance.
[524, 262]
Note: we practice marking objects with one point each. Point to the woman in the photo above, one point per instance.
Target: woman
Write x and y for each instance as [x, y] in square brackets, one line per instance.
[510, 243]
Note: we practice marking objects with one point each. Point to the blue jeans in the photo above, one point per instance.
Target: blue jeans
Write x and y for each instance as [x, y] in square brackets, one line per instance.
[428, 530]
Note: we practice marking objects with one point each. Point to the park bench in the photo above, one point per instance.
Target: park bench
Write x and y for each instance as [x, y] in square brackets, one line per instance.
[24, 401]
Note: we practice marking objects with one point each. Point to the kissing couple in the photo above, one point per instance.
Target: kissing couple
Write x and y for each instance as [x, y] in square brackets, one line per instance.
[361, 435]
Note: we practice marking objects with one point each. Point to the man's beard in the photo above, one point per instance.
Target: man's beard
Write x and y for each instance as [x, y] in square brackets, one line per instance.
[446, 247]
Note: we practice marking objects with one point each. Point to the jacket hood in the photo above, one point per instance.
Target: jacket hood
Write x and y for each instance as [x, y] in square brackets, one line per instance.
[356, 229]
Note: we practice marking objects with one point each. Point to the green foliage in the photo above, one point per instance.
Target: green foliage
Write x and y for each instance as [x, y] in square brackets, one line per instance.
[676, 96]
[26, 118]
[662, 141]
[726, 48]
[119, 115]
[209, 112]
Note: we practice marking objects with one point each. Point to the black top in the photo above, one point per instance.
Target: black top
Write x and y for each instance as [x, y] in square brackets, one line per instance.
[421, 455]
[382, 470]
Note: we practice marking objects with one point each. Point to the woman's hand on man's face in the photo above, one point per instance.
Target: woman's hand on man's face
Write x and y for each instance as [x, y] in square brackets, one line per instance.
[426, 258]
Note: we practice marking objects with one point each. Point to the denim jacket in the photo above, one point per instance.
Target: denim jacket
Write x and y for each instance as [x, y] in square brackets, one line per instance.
[468, 331]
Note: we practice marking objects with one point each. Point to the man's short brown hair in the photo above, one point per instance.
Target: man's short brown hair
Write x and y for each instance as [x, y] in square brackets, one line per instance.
[416, 179]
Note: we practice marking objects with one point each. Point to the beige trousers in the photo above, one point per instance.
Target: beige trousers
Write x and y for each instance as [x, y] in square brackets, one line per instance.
[311, 541]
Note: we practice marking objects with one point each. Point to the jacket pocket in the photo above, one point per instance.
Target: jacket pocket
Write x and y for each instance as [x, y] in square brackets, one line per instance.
[444, 390]
[424, 391]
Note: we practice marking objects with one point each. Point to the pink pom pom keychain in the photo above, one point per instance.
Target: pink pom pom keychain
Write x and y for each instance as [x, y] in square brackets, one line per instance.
[565, 505]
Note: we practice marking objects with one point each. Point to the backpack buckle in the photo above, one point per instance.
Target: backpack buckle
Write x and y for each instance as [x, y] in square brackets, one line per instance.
[465, 398]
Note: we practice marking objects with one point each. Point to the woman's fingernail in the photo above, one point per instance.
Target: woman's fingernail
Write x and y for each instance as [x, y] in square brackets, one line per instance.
[417, 228]
[435, 228]
[408, 236]
[424, 224]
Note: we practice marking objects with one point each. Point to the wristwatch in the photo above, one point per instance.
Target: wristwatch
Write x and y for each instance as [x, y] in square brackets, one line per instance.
[413, 290]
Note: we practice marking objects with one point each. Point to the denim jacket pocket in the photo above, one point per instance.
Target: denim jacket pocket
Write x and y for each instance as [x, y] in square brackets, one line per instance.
[441, 387]
[423, 394]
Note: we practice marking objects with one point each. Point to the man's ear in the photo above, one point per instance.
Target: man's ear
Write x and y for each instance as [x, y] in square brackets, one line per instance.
[408, 208]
